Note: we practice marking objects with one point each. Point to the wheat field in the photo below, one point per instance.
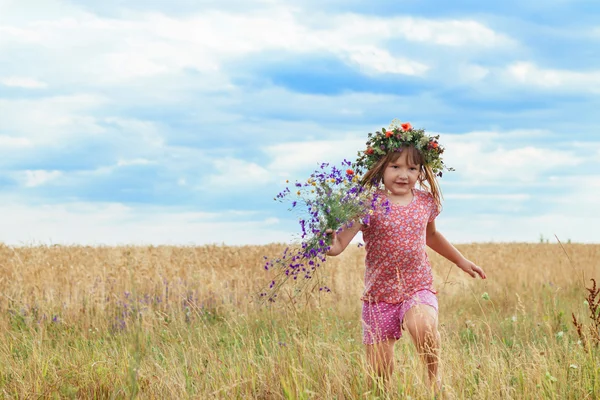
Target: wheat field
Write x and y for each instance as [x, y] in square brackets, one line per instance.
[184, 322]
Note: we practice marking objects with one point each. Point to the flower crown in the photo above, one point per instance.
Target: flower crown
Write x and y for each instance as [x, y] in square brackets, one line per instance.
[397, 136]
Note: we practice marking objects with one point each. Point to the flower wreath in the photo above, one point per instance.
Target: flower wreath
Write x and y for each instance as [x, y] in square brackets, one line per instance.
[397, 136]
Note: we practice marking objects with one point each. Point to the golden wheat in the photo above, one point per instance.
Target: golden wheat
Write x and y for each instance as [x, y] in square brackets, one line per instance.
[183, 322]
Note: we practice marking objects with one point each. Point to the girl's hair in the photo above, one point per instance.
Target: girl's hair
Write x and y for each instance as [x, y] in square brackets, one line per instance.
[427, 178]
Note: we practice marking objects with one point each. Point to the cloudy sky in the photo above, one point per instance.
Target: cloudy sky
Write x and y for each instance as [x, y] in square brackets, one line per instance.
[178, 121]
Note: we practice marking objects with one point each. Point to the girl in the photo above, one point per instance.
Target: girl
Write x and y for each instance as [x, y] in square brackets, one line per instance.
[398, 280]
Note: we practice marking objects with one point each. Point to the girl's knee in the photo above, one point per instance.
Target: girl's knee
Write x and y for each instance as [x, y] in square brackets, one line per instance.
[424, 332]
[381, 350]
[421, 318]
[428, 335]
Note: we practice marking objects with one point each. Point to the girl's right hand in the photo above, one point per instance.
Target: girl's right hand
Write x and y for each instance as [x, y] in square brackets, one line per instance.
[334, 242]
[340, 240]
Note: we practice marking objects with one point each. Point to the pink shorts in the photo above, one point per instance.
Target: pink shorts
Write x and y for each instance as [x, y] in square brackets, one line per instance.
[382, 321]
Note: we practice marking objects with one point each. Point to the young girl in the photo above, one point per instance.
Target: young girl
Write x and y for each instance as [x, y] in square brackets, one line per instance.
[399, 289]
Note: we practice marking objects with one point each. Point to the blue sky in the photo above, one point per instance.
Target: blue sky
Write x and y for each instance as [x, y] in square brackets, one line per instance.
[178, 122]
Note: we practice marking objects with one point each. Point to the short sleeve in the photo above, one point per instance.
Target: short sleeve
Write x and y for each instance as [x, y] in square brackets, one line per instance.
[434, 208]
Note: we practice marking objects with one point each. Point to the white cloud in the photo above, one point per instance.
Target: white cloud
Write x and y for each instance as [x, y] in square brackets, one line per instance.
[117, 224]
[442, 32]
[234, 173]
[150, 44]
[11, 34]
[135, 161]
[510, 157]
[23, 82]
[488, 197]
[593, 33]
[67, 124]
[14, 10]
[472, 73]
[33, 178]
[454, 33]
[49, 119]
[138, 139]
[509, 228]
[528, 73]
[287, 158]
[580, 196]
[571, 216]
[12, 141]
[375, 60]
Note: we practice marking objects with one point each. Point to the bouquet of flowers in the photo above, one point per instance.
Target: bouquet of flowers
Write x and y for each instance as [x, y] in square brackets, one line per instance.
[331, 198]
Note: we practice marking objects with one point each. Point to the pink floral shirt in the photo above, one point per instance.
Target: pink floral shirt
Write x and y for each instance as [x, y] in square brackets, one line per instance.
[396, 263]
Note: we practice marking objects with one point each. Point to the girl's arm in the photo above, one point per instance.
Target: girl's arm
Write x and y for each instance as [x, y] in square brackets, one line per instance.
[440, 245]
[339, 241]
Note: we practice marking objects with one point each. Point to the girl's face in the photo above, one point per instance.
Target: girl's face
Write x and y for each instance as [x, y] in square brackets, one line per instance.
[401, 175]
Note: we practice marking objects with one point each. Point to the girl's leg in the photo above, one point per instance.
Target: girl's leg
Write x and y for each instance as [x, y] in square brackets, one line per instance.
[380, 357]
[421, 321]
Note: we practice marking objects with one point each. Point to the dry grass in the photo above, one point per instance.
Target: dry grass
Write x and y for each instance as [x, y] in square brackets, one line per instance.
[180, 322]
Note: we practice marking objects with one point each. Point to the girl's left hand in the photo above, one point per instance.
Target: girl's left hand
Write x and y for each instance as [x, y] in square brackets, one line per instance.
[470, 268]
